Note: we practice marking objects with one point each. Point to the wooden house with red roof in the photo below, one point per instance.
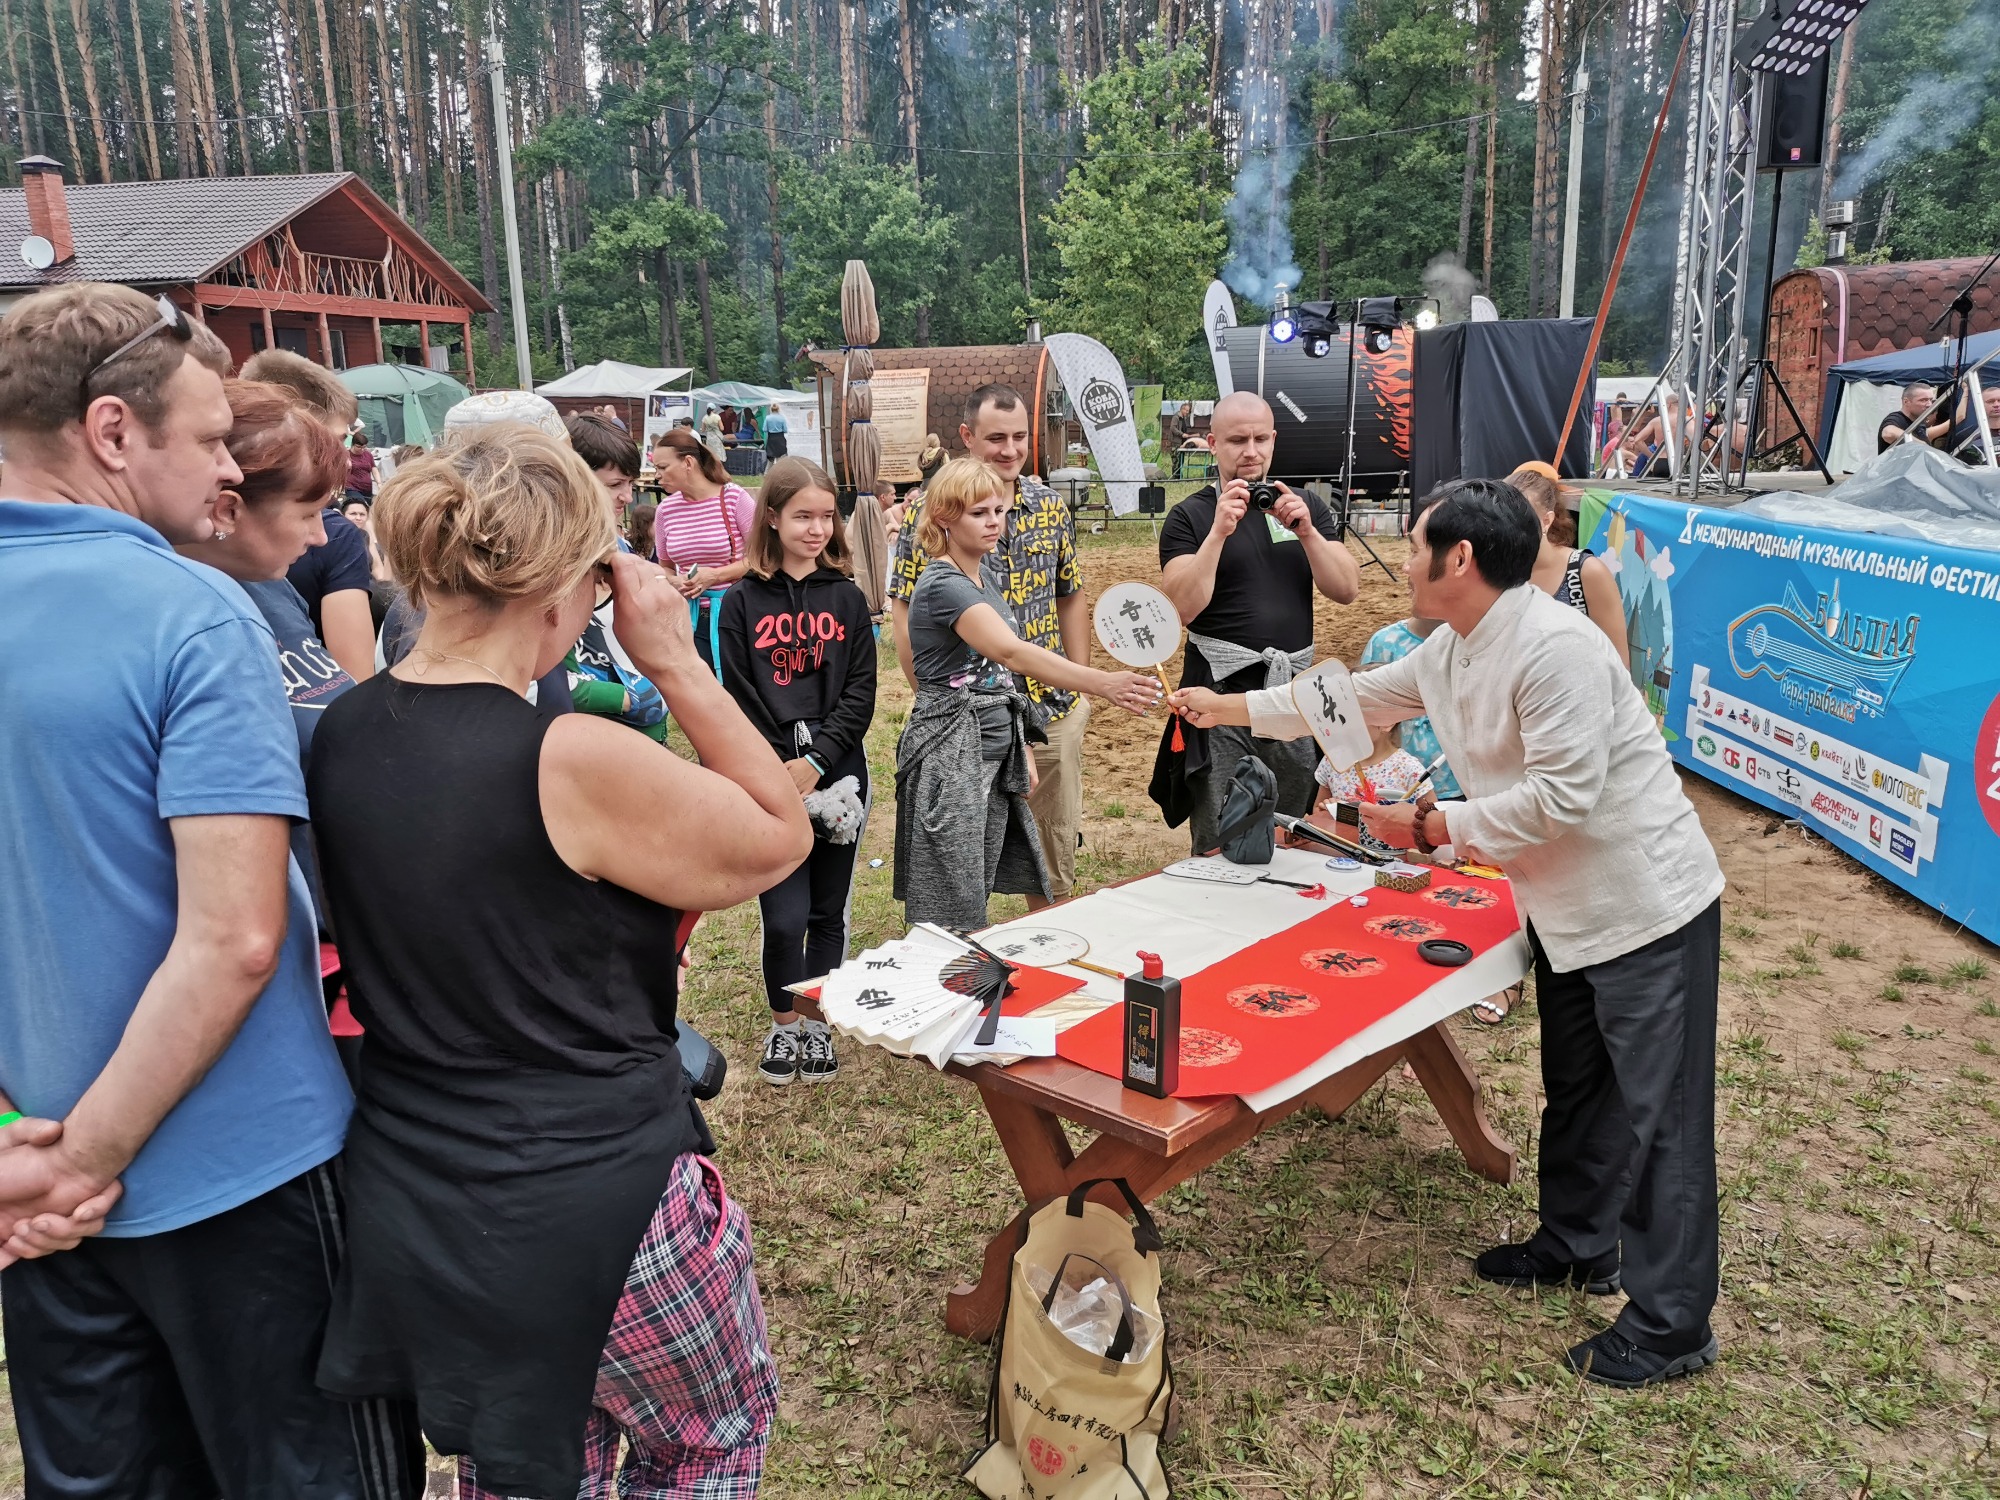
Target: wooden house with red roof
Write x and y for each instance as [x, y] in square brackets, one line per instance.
[314, 263]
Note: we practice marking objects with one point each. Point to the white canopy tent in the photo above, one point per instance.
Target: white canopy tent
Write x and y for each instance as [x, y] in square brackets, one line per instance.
[614, 380]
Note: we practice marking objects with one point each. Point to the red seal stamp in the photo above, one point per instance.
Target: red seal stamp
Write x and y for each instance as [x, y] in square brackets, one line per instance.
[1272, 1001]
[1342, 963]
[1202, 1048]
[1045, 1456]
[1461, 897]
[1404, 929]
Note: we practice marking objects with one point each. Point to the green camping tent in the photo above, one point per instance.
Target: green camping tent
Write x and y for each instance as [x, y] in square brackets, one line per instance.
[403, 403]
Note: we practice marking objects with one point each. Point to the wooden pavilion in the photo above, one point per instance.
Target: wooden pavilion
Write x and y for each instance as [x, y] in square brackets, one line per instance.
[317, 263]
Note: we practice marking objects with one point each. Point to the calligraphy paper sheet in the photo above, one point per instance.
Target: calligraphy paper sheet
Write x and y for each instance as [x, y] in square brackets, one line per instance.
[1249, 1020]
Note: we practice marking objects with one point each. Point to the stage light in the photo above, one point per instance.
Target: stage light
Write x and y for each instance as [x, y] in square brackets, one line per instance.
[1284, 325]
[1791, 43]
[1427, 318]
[1379, 318]
[1317, 328]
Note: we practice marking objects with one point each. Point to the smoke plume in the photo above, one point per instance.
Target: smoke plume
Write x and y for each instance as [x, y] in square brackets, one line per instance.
[1937, 109]
[1271, 145]
[1446, 279]
[1260, 210]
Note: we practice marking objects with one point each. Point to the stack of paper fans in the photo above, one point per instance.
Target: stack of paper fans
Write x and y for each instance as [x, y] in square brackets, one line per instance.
[922, 996]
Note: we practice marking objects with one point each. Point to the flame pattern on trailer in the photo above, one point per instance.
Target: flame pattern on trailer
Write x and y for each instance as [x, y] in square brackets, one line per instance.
[1390, 382]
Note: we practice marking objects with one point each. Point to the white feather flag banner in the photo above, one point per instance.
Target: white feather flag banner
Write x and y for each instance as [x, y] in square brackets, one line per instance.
[1096, 385]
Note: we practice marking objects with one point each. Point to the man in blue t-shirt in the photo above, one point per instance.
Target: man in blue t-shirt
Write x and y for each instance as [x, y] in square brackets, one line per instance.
[161, 1024]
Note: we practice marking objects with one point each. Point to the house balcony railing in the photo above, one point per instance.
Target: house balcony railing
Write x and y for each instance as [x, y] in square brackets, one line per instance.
[277, 264]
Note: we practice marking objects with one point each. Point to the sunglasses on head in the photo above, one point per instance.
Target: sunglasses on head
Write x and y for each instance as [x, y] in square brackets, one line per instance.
[171, 321]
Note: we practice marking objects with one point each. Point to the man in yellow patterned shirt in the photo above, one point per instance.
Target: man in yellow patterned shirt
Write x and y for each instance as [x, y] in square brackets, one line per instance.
[1035, 569]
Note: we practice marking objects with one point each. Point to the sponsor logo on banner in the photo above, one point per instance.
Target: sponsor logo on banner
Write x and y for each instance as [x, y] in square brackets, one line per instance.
[1102, 403]
[1835, 812]
[1827, 806]
[1824, 659]
[1896, 787]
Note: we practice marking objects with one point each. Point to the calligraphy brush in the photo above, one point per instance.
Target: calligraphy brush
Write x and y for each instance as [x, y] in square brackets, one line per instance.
[1313, 833]
[1417, 787]
[984, 976]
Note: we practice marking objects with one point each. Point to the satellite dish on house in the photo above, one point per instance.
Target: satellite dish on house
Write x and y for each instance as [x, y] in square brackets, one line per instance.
[38, 253]
[1483, 310]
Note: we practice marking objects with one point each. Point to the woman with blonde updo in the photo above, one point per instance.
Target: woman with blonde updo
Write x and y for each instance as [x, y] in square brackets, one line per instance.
[539, 1253]
[963, 771]
[1563, 570]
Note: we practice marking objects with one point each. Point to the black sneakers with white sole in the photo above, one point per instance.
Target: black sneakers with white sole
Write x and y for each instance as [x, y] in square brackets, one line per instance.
[817, 1064]
[780, 1062]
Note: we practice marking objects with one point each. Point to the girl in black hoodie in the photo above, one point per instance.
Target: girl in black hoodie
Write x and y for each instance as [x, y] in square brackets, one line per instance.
[798, 653]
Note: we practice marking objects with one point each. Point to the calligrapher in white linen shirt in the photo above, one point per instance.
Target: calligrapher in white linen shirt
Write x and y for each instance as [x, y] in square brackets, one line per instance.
[1568, 783]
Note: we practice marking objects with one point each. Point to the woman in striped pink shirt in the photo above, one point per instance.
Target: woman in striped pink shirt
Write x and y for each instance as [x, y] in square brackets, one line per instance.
[699, 530]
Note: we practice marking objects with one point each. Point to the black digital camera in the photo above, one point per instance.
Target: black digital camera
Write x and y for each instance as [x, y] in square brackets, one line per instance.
[1264, 494]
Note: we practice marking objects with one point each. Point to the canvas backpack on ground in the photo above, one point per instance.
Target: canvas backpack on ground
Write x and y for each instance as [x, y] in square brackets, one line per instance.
[1064, 1422]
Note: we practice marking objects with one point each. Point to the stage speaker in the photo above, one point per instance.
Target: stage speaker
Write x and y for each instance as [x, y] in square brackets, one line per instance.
[1794, 126]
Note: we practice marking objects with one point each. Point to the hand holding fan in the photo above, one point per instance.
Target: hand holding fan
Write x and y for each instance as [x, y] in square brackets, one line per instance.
[1325, 699]
[1138, 627]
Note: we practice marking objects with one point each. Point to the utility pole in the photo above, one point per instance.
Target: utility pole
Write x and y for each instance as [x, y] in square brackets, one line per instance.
[503, 136]
[1582, 86]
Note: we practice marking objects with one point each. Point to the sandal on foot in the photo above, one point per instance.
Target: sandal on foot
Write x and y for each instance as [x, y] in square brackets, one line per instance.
[1496, 1008]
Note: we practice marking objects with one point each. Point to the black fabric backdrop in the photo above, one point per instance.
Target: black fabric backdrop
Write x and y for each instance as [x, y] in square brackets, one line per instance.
[1491, 396]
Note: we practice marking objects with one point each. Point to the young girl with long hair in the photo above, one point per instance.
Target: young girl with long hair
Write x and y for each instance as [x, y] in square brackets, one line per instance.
[700, 530]
[963, 772]
[798, 653]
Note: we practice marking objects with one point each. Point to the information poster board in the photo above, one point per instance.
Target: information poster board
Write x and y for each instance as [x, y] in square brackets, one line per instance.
[902, 401]
[1842, 678]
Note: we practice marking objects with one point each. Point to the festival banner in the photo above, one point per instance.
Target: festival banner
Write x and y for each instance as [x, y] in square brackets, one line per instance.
[1842, 678]
[1146, 420]
[1218, 315]
[1096, 385]
[901, 400]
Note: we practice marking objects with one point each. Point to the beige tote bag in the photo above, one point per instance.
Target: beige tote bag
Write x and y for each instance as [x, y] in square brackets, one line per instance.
[1064, 1422]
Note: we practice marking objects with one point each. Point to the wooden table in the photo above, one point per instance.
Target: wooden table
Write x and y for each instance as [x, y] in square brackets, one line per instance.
[1155, 1144]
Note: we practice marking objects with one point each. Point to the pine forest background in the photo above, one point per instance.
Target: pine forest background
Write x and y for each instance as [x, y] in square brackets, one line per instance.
[691, 176]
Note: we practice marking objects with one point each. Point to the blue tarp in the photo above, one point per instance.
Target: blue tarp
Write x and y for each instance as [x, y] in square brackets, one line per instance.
[1928, 362]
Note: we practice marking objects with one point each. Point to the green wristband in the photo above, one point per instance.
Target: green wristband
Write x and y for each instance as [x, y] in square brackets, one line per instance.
[9, 1118]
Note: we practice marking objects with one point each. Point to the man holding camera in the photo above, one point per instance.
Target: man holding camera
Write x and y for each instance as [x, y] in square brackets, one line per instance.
[1242, 564]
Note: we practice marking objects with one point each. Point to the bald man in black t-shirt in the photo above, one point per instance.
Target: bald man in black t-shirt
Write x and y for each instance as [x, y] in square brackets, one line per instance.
[1243, 579]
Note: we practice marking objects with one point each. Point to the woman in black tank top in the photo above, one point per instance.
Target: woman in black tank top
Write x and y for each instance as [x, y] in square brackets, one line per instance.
[1572, 577]
[527, 1191]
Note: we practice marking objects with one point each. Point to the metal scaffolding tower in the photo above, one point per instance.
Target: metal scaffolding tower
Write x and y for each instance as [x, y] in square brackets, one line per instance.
[1712, 256]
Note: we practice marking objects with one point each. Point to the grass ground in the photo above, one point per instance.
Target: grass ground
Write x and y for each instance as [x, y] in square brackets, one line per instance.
[1328, 1336]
